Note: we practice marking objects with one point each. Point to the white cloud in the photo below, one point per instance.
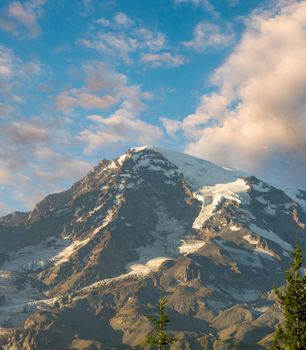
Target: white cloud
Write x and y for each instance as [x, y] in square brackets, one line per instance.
[76, 98]
[19, 15]
[205, 4]
[123, 104]
[118, 129]
[209, 35]
[14, 70]
[7, 62]
[153, 41]
[16, 77]
[26, 132]
[257, 118]
[163, 59]
[122, 19]
[172, 126]
[124, 125]
[124, 40]
[104, 88]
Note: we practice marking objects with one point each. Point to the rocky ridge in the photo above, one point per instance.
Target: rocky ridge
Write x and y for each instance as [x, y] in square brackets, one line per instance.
[83, 268]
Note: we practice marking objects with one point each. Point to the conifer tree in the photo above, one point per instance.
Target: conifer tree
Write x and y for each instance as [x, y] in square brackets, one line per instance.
[292, 335]
[162, 339]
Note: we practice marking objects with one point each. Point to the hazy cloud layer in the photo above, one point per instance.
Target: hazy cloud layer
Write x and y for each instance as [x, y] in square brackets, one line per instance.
[257, 118]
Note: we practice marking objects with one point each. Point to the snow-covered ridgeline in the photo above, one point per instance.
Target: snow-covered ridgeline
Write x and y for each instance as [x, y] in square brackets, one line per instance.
[211, 196]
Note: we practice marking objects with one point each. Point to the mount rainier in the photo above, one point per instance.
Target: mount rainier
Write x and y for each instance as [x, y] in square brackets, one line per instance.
[84, 267]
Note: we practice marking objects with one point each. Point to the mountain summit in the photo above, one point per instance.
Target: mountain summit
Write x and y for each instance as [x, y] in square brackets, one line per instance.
[83, 268]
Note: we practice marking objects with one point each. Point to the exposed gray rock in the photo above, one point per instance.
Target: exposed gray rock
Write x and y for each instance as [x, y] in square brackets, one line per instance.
[84, 268]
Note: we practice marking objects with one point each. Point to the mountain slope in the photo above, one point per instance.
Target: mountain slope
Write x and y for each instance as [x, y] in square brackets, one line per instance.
[83, 268]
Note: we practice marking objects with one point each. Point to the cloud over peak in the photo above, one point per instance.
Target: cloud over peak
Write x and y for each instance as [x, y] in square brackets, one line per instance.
[257, 117]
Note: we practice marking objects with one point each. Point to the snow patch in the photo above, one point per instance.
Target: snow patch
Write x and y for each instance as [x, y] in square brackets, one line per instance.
[243, 295]
[243, 257]
[34, 257]
[16, 307]
[250, 239]
[270, 210]
[235, 228]
[148, 267]
[261, 187]
[199, 172]
[271, 236]
[190, 246]
[211, 196]
[139, 149]
[295, 194]
[261, 200]
[122, 159]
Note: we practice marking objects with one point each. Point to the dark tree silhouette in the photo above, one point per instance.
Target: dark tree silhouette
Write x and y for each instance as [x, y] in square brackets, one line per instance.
[292, 335]
[161, 339]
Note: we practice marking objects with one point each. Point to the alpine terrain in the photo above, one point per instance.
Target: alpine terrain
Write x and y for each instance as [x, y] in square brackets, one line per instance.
[83, 269]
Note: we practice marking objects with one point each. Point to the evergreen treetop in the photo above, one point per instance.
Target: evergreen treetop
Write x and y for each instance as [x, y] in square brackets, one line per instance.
[162, 339]
[292, 335]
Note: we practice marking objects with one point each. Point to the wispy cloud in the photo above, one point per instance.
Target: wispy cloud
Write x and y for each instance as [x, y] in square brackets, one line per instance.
[209, 35]
[20, 15]
[123, 20]
[15, 75]
[163, 59]
[124, 124]
[26, 132]
[118, 129]
[124, 40]
[204, 4]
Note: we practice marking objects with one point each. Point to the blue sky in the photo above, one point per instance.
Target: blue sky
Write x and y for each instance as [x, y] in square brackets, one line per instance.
[83, 80]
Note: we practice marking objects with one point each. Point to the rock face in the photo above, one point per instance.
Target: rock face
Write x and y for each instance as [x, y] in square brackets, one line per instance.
[84, 268]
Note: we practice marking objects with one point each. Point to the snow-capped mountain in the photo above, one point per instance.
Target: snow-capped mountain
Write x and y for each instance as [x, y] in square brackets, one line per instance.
[83, 268]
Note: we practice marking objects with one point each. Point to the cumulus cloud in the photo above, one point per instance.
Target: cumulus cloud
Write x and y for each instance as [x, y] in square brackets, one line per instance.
[172, 126]
[103, 88]
[122, 19]
[256, 120]
[121, 39]
[209, 35]
[122, 126]
[123, 45]
[19, 15]
[118, 129]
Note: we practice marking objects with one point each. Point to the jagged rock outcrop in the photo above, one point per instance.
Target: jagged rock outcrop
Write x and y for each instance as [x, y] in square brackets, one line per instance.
[84, 268]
